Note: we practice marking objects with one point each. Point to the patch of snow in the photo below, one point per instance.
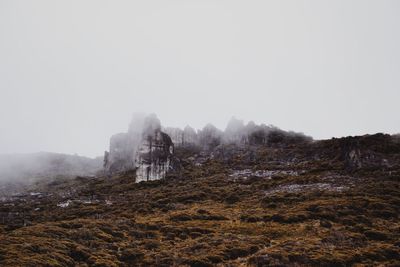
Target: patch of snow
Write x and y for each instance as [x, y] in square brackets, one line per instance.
[64, 204]
[262, 173]
[295, 188]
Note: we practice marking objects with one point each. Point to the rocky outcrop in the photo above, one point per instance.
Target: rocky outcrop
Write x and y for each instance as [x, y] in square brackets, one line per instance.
[209, 137]
[175, 134]
[148, 150]
[185, 137]
[144, 149]
[153, 158]
[369, 151]
[121, 156]
[189, 136]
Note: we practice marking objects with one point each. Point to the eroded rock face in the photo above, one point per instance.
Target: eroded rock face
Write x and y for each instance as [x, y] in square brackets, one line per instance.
[176, 134]
[147, 149]
[154, 157]
[144, 149]
[185, 137]
[121, 156]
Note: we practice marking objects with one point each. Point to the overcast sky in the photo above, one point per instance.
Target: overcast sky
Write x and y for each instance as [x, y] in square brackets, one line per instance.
[73, 72]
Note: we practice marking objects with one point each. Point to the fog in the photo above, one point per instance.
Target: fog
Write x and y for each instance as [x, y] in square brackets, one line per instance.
[31, 167]
[72, 73]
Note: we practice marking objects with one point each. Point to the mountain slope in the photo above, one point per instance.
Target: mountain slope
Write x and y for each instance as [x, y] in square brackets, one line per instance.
[323, 203]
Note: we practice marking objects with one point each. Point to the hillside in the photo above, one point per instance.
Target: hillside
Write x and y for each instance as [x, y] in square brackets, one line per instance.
[285, 203]
[45, 164]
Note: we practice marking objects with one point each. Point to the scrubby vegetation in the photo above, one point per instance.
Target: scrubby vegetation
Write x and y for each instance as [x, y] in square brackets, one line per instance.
[281, 204]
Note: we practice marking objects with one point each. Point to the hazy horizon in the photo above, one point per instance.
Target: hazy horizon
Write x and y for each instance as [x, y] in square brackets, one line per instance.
[72, 73]
[106, 148]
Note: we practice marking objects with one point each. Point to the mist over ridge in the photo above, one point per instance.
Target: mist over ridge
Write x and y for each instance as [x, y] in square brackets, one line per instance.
[22, 166]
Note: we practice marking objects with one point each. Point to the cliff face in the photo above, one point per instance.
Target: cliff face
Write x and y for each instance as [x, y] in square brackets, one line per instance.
[148, 150]
[144, 149]
[185, 137]
[154, 157]
[121, 156]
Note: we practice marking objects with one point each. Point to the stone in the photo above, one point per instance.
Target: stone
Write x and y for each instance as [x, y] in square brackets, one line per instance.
[189, 136]
[176, 135]
[153, 159]
[144, 149]
[185, 137]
